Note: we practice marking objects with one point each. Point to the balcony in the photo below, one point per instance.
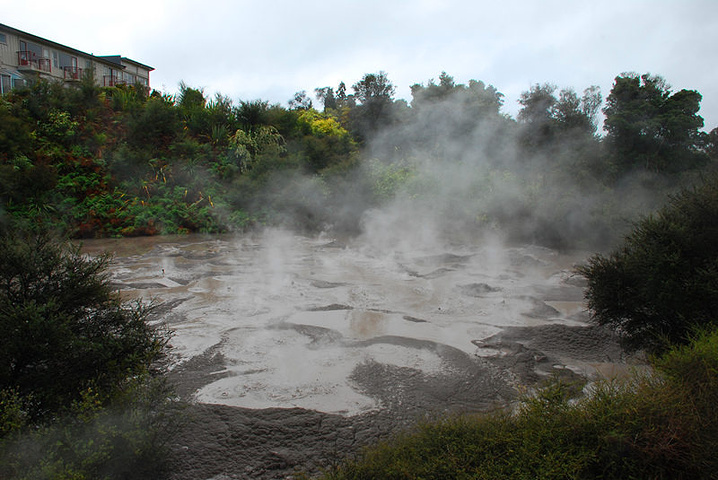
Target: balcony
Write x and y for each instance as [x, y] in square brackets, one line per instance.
[27, 60]
[72, 73]
[112, 81]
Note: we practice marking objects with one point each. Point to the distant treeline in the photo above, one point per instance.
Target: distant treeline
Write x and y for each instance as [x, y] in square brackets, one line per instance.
[121, 161]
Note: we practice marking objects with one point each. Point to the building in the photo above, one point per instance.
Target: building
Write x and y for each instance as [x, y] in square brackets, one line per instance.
[25, 57]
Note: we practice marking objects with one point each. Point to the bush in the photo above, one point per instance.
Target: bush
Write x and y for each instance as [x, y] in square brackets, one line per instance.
[662, 283]
[127, 440]
[65, 330]
[78, 394]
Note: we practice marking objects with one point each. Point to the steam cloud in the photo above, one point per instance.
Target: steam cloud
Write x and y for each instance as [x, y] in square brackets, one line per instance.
[449, 176]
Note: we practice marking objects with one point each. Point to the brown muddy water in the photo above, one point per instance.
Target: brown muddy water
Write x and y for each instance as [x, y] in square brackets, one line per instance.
[348, 330]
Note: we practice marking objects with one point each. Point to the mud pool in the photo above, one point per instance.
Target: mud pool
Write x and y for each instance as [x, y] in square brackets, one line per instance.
[281, 320]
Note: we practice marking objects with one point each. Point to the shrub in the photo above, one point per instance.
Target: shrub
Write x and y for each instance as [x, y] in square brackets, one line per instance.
[65, 330]
[127, 440]
[662, 283]
[79, 397]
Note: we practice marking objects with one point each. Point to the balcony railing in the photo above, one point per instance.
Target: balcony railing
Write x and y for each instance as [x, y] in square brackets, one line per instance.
[112, 81]
[29, 60]
[25, 58]
[72, 73]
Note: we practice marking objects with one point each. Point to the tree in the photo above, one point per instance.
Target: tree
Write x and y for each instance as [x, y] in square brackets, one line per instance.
[15, 137]
[253, 114]
[536, 114]
[446, 114]
[662, 283]
[65, 332]
[431, 93]
[344, 100]
[710, 145]
[649, 128]
[374, 92]
[249, 146]
[222, 119]
[577, 115]
[374, 88]
[300, 101]
[155, 126]
[467, 104]
[548, 120]
[190, 98]
[325, 142]
[326, 96]
[191, 103]
[484, 99]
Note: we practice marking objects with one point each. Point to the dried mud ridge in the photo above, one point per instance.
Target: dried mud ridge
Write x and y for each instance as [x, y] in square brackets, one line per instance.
[220, 442]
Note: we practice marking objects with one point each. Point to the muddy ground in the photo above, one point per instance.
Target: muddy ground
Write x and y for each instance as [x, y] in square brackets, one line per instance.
[292, 353]
[222, 442]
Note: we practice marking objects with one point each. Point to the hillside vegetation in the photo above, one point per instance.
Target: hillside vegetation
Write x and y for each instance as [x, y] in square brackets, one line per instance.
[118, 161]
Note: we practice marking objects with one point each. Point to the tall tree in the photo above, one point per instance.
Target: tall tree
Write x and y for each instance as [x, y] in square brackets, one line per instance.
[486, 100]
[374, 88]
[445, 113]
[650, 128]
[374, 92]
[577, 114]
[432, 92]
[326, 96]
[537, 114]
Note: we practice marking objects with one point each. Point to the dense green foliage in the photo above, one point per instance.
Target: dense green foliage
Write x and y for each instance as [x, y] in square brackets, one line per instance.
[78, 397]
[659, 426]
[661, 284]
[126, 439]
[66, 330]
[651, 128]
[117, 161]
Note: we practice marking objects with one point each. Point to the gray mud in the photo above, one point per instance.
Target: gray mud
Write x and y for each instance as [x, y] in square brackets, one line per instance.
[293, 353]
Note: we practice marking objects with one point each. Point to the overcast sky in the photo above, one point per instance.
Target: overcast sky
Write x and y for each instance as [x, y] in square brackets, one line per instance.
[269, 49]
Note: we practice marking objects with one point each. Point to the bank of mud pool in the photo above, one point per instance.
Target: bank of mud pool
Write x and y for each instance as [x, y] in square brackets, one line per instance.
[295, 352]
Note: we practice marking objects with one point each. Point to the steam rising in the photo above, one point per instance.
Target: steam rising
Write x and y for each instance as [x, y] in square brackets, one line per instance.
[444, 174]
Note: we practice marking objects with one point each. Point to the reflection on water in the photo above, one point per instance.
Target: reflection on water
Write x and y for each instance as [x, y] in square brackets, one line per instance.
[291, 318]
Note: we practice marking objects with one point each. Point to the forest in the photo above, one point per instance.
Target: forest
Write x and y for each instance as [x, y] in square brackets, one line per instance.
[568, 171]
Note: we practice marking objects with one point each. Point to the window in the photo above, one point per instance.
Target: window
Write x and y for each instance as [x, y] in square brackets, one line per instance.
[55, 60]
[3, 38]
[5, 85]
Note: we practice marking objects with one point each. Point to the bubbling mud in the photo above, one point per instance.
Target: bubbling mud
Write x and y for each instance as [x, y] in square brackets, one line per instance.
[281, 320]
